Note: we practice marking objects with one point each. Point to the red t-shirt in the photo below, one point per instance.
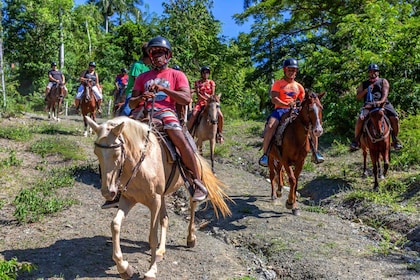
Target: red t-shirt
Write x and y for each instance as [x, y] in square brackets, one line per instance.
[169, 78]
[204, 89]
[288, 92]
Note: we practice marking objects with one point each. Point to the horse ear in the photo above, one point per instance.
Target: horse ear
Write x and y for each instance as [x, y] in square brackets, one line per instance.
[118, 129]
[92, 124]
[322, 94]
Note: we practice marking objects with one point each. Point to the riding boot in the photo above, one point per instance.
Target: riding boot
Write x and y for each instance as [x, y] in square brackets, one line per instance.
[354, 146]
[396, 143]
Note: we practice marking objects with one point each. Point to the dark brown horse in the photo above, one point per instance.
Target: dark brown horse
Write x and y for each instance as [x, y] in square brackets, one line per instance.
[292, 152]
[88, 105]
[376, 139]
[54, 101]
[206, 128]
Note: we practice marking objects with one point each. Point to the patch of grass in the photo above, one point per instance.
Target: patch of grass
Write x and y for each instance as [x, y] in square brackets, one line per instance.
[10, 270]
[32, 204]
[18, 133]
[389, 242]
[70, 150]
[316, 209]
[12, 160]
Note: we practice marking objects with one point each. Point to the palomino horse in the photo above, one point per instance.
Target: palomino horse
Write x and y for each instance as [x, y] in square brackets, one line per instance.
[134, 162]
[206, 129]
[54, 101]
[295, 147]
[88, 105]
[376, 139]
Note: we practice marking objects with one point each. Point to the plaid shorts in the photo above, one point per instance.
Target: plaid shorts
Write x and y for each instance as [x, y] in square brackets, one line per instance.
[169, 119]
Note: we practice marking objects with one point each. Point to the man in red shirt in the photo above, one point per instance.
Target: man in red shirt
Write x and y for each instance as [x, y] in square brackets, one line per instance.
[168, 87]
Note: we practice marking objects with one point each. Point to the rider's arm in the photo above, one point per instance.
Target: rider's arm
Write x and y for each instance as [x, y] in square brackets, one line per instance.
[82, 76]
[63, 78]
[276, 100]
[361, 92]
[385, 92]
[213, 91]
[182, 95]
[97, 81]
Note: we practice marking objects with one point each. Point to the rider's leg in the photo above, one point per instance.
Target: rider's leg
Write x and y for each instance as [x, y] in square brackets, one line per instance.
[192, 119]
[99, 106]
[271, 128]
[47, 91]
[77, 104]
[188, 158]
[395, 125]
[316, 155]
[98, 96]
[357, 134]
[220, 121]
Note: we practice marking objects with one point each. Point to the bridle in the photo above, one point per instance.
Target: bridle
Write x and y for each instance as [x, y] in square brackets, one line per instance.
[372, 138]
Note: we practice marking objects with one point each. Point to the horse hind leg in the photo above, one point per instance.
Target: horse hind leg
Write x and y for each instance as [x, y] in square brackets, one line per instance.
[191, 238]
[164, 222]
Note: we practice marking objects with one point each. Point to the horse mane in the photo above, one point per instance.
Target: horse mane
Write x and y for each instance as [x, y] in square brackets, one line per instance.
[134, 133]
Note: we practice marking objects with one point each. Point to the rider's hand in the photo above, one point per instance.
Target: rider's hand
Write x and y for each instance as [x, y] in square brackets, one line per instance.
[292, 104]
[155, 88]
[148, 94]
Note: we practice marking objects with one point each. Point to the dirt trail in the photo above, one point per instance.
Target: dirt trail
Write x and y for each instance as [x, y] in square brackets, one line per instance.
[261, 239]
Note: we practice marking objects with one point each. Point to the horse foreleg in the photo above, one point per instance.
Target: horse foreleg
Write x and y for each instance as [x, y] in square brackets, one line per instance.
[293, 180]
[273, 178]
[124, 268]
[191, 238]
[155, 211]
[200, 146]
[365, 172]
[212, 146]
[164, 222]
[374, 156]
[290, 202]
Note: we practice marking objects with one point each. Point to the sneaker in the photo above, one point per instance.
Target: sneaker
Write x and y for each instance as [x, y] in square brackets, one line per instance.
[317, 158]
[264, 160]
[397, 146]
[200, 191]
[354, 146]
[99, 111]
[111, 203]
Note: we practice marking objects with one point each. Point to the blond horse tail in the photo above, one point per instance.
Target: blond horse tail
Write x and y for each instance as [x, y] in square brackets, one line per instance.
[215, 188]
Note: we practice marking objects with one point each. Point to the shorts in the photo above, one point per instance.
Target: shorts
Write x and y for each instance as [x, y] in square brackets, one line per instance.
[169, 119]
[277, 113]
[95, 90]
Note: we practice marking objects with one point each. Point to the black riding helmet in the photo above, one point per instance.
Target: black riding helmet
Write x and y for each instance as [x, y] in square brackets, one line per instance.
[204, 68]
[373, 66]
[159, 41]
[290, 62]
[92, 63]
[53, 64]
[124, 70]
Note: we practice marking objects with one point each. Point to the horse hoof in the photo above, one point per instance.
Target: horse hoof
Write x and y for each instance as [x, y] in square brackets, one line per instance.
[296, 212]
[279, 193]
[159, 258]
[191, 244]
[289, 205]
[128, 273]
[273, 197]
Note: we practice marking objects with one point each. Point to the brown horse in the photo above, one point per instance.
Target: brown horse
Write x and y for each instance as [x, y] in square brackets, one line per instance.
[206, 129]
[88, 105]
[133, 161]
[119, 100]
[295, 147]
[54, 101]
[376, 139]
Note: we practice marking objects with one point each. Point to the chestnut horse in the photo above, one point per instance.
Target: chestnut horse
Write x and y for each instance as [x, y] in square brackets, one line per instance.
[88, 105]
[134, 162]
[376, 138]
[206, 129]
[54, 101]
[295, 146]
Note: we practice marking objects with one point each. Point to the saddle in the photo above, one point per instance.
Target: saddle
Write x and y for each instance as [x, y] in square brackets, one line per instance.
[285, 120]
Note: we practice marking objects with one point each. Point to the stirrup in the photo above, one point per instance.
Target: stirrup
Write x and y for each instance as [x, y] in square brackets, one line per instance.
[200, 191]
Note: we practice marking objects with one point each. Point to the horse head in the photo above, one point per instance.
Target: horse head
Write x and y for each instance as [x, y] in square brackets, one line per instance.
[312, 111]
[377, 118]
[211, 108]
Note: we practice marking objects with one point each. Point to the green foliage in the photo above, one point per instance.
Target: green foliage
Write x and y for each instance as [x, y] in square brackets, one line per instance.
[32, 204]
[10, 270]
[12, 160]
[68, 149]
[18, 133]
[409, 135]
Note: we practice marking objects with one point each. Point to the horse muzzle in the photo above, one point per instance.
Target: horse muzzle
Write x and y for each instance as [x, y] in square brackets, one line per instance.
[109, 193]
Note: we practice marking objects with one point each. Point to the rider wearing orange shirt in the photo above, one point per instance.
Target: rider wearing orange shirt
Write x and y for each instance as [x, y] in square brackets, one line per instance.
[284, 94]
[205, 88]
